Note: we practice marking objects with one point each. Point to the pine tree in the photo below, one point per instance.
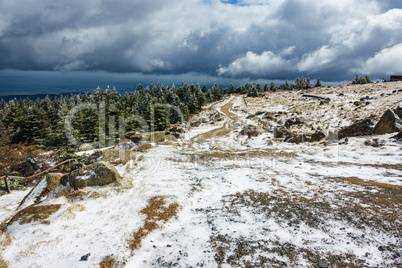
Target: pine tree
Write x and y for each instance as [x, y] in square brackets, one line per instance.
[161, 119]
[252, 92]
[318, 83]
[272, 87]
[216, 92]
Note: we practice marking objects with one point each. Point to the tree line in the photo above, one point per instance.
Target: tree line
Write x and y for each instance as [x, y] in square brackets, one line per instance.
[42, 121]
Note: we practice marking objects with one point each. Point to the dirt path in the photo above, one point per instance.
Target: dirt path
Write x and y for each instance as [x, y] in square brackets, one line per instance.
[222, 131]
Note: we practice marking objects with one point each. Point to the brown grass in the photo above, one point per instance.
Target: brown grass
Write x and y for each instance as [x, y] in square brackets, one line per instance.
[34, 213]
[334, 164]
[70, 212]
[241, 252]
[357, 181]
[5, 241]
[3, 263]
[110, 262]
[155, 211]
[144, 147]
[364, 209]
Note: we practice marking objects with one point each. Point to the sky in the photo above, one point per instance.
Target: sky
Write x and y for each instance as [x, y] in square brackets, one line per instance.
[195, 41]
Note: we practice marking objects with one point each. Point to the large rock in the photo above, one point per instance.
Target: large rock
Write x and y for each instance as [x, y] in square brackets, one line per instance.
[219, 117]
[97, 174]
[177, 129]
[156, 136]
[298, 139]
[319, 135]
[34, 213]
[293, 121]
[252, 130]
[362, 127]
[389, 123]
[94, 157]
[119, 156]
[195, 123]
[42, 189]
[177, 132]
[127, 145]
[280, 132]
[204, 120]
[86, 147]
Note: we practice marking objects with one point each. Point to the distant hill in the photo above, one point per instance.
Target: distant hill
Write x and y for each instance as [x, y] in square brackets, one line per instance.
[7, 98]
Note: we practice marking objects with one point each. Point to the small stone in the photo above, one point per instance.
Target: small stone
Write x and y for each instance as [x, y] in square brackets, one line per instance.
[323, 264]
[85, 257]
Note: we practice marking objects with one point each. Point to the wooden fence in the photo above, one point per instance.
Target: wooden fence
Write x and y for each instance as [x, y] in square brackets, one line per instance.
[34, 176]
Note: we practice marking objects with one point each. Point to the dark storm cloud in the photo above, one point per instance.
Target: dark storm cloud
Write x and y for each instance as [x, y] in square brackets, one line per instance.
[246, 39]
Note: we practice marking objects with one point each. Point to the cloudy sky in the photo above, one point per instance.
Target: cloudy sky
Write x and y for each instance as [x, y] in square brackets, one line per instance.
[205, 39]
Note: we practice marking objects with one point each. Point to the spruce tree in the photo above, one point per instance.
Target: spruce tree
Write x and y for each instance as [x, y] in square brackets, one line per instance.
[318, 83]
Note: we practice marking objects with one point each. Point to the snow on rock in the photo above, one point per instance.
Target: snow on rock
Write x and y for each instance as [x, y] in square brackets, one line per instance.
[43, 188]
[96, 174]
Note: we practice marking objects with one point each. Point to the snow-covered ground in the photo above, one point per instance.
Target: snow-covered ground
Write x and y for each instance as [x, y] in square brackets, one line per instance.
[242, 201]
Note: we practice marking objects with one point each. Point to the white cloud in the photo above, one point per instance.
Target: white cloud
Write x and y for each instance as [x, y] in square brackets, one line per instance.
[317, 59]
[387, 61]
[197, 35]
[255, 64]
[288, 51]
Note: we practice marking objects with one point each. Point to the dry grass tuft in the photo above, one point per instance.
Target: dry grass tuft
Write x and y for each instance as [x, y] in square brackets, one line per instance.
[110, 262]
[156, 212]
[70, 212]
[3, 263]
[144, 147]
[34, 213]
[357, 181]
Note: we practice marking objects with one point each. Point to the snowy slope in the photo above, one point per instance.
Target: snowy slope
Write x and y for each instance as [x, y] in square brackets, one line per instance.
[242, 202]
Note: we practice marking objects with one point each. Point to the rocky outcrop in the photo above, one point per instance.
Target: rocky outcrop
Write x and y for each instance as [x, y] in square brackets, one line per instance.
[298, 139]
[362, 127]
[195, 123]
[280, 132]
[34, 214]
[389, 123]
[252, 130]
[321, 99]
[156, 136]
[119, 156]
[294, 121]
[177, 131]
[203, 120]
[128, 145]
[318, 136]
[42, 189]
[86, 147]
[94, 157]
[97, 174]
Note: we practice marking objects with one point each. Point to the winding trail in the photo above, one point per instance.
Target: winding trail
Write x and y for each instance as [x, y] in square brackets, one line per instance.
[222, 131]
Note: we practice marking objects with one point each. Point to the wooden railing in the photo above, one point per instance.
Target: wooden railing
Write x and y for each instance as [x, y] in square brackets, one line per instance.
[34, 176]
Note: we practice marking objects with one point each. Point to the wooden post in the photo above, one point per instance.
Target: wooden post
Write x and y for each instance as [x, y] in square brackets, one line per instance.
[6, 183]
